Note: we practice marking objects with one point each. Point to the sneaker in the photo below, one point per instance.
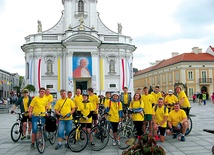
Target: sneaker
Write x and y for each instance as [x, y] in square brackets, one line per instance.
[182, 138]
[23, 137]
[28, 136]
[32, 146]
[58, 147]
[175, 136]
[66, 146]
[92, 144]
[113, 143]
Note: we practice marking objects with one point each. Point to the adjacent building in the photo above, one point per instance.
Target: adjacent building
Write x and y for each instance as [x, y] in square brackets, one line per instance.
[193, 71]
[79, 52]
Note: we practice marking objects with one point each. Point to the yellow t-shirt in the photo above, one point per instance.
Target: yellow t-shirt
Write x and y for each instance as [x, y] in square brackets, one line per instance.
[176, 117]
[115, 107]
[85, 109]
[170, 99]
[126, 97]
[186, 102]
[136, 105]
[25, 102]
[50, 99]
[67, 107]
[95, 101]
[160, 114]
[156, 96]
[106, 102]
[148, 100]
[77, 100]
[39, 105]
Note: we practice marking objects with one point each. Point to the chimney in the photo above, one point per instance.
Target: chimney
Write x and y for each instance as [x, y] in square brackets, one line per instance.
[196, 50]
[174, 54]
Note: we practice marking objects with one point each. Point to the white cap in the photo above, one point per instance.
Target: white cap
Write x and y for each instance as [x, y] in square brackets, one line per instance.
[114, 93]
[170, 92]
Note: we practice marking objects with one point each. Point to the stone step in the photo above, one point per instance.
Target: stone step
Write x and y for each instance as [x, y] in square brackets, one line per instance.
[4, 110]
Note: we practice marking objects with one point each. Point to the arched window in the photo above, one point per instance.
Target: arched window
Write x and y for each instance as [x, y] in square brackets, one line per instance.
[80, 6]
[27, 70]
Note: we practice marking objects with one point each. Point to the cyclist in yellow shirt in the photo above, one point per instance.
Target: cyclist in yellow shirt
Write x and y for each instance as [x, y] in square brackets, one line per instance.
[86, 109]
[106, 99]
[49, 97]
[136, 106]
[115, 111]
[64, 107]
[156, 94]
[125, 99]
[78, 97]
[95, 102]
[148, 101]
[69, 94]
[176, 118]
[160, 114]
[170, 99]
[38, 105]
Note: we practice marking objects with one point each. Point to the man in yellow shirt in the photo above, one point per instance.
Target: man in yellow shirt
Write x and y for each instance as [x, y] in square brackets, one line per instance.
[105, 101]
[125, 99]
[49, 97]
[170, 99]
[115, 111]
[69, 94]
[176, 118]
[24, 103]
[95, 102]
[148, 101]
[64, 107]
[78, 97]
[156, 94]
[38, 105]
[160, 114]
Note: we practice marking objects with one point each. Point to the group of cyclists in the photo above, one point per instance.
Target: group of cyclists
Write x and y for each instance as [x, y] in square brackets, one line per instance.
[149, 111]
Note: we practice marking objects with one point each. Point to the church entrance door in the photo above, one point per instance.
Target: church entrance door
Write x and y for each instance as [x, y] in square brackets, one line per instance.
[82, 85]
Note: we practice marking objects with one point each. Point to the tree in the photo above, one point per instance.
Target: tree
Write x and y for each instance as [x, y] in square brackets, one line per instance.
[30, 88]
[152, 63]
[135, 70]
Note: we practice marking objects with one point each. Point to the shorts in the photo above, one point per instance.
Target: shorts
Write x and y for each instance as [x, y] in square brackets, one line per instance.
[162, 131]
[148, 117]
[87, 125]
[64, 128]
[35, 119]
[95, 116]
[187, 110]
[25, 119]
[114, 126]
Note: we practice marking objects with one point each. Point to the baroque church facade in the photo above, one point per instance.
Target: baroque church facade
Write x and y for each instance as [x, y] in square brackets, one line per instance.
[79, 52]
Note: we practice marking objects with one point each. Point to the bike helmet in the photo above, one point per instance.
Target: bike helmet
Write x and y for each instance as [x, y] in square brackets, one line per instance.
[115, 93]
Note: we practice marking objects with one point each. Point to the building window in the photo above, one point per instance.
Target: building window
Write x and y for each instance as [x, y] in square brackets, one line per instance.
[204, 76]
[80, 6]
[49, 86]
[27, 70]
[158, 80]
[177, 76]
[190, 92]
[190, 75]
[164, 78]
[112, 85]
[170, 77]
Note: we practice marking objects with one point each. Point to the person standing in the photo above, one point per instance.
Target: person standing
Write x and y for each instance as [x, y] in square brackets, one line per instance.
[136, 106]
[125, 99]
[156, 94]
[148, 101]
[69, 94]
[24, 103]
[212, 98]
[204, 97]
[78, 97]
[105, 100]
[170, 99]
[38, 105]
[49, 98]
[95, 102]
[65, 108]
[160, 114]
[115, 111]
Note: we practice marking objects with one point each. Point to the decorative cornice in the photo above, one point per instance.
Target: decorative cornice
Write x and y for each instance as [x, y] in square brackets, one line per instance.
[94, 54]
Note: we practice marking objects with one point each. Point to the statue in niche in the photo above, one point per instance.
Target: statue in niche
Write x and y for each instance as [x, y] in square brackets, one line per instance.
[119, 27]
[49, 67]
[39, 26]
[112, 66]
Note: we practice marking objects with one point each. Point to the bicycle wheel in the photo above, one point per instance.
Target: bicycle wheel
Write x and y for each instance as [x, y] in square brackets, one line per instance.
[52, 137]
[40, 141]
[77, 140]
[16, 132]
[99, 138]
[123, 135]
[190, 125]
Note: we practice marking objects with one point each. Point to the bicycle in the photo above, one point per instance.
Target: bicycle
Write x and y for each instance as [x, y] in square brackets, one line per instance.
[125, 133]
[77, 138]
[16, 129]
[99, 135]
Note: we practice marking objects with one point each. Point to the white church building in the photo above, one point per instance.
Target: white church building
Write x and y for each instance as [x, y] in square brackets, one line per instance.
[79, 52]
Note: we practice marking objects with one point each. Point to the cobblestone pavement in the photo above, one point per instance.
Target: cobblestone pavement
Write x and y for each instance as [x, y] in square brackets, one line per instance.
[197, 142]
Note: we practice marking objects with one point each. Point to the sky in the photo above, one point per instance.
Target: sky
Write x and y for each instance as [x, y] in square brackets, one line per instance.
[157, 27]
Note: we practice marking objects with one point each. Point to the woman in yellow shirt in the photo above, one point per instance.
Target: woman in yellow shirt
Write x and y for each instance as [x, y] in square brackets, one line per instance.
[136, 106]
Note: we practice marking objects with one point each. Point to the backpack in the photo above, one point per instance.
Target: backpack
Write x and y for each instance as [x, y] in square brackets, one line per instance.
[110, 104]
[157, 106]
[50, 124]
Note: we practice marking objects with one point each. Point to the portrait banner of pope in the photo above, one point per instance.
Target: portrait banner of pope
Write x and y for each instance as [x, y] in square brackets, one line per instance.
[82, 67]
